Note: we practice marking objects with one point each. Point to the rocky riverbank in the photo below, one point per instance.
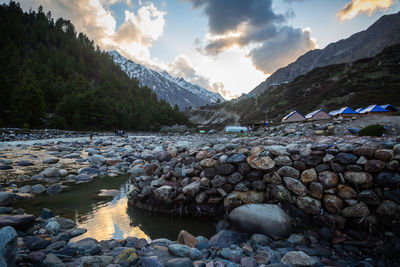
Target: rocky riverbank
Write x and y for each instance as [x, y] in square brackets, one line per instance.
[293, 184]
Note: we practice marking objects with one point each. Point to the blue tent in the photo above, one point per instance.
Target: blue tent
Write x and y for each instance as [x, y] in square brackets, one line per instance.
[389, 107]
[344, 111]
[372, 109]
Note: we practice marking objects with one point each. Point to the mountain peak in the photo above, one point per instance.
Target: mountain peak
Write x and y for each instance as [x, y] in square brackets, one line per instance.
[174, 90]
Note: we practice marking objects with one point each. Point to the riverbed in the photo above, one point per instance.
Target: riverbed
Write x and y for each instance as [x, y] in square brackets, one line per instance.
[110, 217]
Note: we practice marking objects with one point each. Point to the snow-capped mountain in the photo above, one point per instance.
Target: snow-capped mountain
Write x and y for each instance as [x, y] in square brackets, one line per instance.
[172, 89]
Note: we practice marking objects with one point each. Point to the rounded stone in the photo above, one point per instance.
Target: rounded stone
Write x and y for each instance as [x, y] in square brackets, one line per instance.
[374, 165]
[362, 180]
[356, 211]
[261, 163]
[346, 191]
[328, 179]
[385, 155]
[308, 176]
[295, 186]
[332, 203]
[309, 205]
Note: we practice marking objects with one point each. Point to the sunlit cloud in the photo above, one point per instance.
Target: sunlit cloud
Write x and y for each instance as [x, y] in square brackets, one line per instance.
[355, 7]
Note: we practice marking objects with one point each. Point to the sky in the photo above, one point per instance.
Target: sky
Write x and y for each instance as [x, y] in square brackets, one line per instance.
[226, 46]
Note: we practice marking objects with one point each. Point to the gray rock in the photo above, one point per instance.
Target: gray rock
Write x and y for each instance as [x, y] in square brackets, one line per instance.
[289, 171]
[97, 160]
[65, 223]
[309, 205]
[54, 189]
[178, 262]
[192, 188]
[268, 219]
[8, 246]
[151, 262]
[24, 163]
[164, 193]
[83, 178]
[6, 198]
[52, 260]
[226, 238]
[51, 160]
[295, 186]
[25, 189]
[51, 172]
[19, 222]
[88, 246]
[38, 189]
[179, 250]
[297, 258]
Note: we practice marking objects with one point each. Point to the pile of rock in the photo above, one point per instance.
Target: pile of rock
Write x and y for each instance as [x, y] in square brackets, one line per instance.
[26, 240]
[332, 182]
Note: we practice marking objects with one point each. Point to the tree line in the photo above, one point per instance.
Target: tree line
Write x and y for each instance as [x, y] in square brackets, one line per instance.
[51, 76]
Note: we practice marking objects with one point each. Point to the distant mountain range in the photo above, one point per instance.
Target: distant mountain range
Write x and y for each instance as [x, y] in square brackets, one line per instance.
[383, 33]
[172, 89]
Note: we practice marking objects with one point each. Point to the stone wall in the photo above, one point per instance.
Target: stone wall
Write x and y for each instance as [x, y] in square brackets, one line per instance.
[331, 181]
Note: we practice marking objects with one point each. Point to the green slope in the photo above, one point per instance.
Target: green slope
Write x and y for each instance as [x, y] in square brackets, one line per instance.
[50, 76]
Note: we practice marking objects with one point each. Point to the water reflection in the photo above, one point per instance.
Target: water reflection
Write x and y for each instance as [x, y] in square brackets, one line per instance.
[111, 218]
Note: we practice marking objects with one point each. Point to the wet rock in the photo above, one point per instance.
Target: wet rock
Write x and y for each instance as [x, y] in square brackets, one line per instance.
[346, 192]
[18, 222]
[52, 225]
[365, 151]
[97, 160]
[83, 178]
[356, 211]
[225, 169]
[374, 166]
[333, 203]
[388, 208]
[283, 160]
[8, 246]
[328, 179]
[369, 197]
[388, 179]
[258, 185]
[218, 181]
[297, 258]
[261, 163]
[151, 262]
[295, 186]
[362, 180]
[288, 171]
[164, 193]
[52, 260]
[25, 189]
[208, 163]
[248, 262]
[126, 255]
[393, 195]
[51, 160]
[316, 190]
[25, 163]
[179, 250]
[78, 232]
[308, 176]
[54, 189]
[346, 158]
[86, 246]
[50, 172]
[226, 238]
[236, 158]
[36, 243]
[236, 198]
[65, 223]
[6, 198]
[234, 178]
[272, 178]
[265, 219]
[309, 205]
[178, 262]
[5, 167]
[57, 245]
[192, 188]
[385, 155]
[38, 189]
[185, 238]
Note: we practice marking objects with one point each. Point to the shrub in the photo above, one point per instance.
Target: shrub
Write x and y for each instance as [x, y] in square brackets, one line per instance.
[372, 130]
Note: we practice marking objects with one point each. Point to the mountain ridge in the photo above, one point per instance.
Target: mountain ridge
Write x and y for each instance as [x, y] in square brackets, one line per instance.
[174, 90]
[367, 43]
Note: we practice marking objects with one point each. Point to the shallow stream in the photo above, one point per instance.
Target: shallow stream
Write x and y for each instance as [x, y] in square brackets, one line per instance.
[111, 218]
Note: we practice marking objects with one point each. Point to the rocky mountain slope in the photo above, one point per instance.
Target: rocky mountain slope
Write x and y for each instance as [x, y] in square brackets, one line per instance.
[384, 32]
[374, 80]
[171, 89]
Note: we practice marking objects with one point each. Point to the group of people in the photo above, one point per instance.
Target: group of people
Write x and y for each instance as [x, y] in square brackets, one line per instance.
[120, 133]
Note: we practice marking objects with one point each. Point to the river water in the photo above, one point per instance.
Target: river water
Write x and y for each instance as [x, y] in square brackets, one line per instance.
[111, 218]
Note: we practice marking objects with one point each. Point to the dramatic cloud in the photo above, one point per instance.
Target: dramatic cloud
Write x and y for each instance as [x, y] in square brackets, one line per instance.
[182, 67]
[94, 18]
[252, 24]
[355, 7]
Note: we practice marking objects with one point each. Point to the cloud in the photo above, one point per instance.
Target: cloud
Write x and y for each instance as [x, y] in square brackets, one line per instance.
[355, 7]
[133, 38]
[182, 67]
[289, 44]
[254, 25]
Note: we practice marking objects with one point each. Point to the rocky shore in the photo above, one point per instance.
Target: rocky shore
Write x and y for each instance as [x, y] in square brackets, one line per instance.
[299, 201]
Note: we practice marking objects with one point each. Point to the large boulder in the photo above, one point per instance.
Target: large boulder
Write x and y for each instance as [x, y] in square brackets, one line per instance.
[96, 160]
[261, 163]
[8, 246]
[19, 222]
[268, 219]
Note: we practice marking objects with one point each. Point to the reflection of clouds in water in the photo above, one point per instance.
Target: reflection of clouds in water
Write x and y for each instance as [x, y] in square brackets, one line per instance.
[110, 222]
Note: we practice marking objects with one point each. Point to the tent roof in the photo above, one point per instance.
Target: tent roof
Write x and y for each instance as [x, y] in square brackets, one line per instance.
[312, 114]
[373, 108]
[290, 114]
[389, 107]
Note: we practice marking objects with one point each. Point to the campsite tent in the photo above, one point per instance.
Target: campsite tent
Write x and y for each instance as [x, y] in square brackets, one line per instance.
[373, 109]
[345, 111]
[235, 129]
[389, 107]
[293, 117]
[319, 114]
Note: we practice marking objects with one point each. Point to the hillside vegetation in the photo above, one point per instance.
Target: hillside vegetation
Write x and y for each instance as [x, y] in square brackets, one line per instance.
[374, 80]
[50, 76]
